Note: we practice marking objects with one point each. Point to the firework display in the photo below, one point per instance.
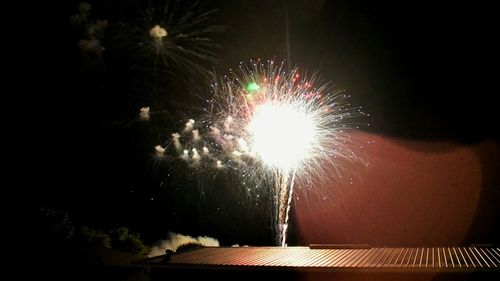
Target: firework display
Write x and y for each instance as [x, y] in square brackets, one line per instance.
[198, 128]
[174, 37]
[272, 125]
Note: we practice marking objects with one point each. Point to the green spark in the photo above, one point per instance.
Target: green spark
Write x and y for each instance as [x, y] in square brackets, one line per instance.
[252, 87]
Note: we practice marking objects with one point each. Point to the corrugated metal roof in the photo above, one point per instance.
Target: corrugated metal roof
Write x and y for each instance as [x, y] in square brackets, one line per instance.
[380, 259]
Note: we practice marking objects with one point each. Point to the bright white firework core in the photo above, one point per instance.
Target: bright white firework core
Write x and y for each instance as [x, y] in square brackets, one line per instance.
[282, 134]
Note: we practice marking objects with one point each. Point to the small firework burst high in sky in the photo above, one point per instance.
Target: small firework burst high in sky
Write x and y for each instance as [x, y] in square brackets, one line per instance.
[173, 38]
[272, 124]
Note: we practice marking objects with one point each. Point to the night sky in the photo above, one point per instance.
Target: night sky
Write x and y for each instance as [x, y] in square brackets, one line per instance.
[424, 71]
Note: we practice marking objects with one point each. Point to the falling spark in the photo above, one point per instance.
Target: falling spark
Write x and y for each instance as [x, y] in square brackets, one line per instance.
[159, 151]
[144, 114]
[176, 141]
[189, 125]
[185, 154]
[157, 33]
[196, 155]
[196, 135]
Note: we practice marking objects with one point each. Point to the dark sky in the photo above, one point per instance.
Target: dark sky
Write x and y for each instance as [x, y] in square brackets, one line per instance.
[424, 71]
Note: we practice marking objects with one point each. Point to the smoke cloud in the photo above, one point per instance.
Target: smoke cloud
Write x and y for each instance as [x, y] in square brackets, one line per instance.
[175, 240]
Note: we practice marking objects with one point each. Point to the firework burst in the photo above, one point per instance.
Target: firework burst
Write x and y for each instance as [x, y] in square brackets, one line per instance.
[272, 125]
[175, 36]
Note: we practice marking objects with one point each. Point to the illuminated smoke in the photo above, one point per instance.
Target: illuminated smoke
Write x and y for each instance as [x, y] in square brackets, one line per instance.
[175, 240]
